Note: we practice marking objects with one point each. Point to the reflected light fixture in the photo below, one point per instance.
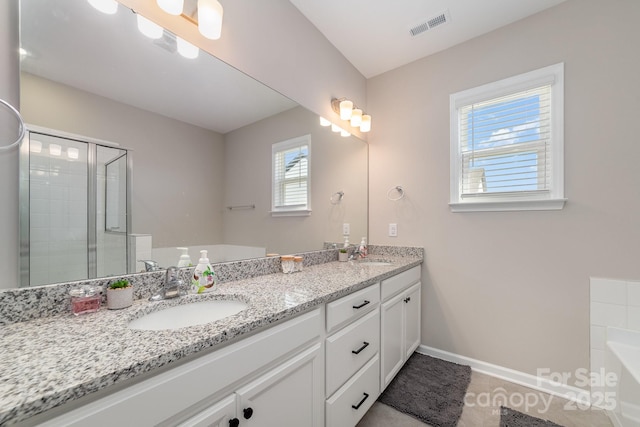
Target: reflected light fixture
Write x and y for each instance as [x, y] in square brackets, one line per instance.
[105, 6]
[348, 111]
[149, 28]
[210, 18]
[335, 128]
[55, 149]
[172, 7]
[35, 146]
[186, 49]
[344, 133]
[73, 153]
[324, 122]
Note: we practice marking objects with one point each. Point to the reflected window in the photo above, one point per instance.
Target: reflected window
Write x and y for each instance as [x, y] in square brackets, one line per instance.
[290, 177]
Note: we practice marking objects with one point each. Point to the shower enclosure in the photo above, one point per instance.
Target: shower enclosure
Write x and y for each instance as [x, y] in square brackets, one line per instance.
[75, 208]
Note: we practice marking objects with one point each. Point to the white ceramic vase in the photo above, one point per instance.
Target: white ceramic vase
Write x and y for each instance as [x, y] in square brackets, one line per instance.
[119, 298]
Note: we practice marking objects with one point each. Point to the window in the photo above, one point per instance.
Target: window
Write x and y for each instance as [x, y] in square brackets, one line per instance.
[507, 144]
[291, 183]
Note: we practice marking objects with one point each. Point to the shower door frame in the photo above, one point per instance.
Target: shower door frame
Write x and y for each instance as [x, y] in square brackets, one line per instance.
[92, 178]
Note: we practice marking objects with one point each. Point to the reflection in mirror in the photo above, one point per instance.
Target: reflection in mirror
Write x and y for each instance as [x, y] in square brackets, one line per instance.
[200, 132]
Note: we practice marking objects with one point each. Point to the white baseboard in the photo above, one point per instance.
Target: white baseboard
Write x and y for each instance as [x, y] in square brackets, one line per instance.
[541, 384]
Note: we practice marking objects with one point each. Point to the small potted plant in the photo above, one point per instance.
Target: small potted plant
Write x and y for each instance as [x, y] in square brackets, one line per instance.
[119, 294]
[343, 255]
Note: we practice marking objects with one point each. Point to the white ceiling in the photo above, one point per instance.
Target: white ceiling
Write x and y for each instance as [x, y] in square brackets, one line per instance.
[374, 34]
[70, 42]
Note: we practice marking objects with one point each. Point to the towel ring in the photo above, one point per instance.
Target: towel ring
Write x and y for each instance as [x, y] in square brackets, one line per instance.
[400, 192]
[336, 197]
[22, 130]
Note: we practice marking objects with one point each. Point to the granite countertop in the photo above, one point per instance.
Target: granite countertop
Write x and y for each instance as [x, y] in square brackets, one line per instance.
[53, 360]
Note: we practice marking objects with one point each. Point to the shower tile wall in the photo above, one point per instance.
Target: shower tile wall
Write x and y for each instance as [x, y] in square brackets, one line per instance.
[613, 303]
[58, 219]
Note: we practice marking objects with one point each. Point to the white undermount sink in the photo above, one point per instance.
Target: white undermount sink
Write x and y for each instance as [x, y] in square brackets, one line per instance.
[190, 314]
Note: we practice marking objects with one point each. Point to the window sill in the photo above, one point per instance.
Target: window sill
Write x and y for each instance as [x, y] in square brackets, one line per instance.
[300, 212]
[512, 205]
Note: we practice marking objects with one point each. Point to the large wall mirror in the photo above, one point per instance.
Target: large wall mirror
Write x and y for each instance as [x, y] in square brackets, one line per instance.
[199, 135]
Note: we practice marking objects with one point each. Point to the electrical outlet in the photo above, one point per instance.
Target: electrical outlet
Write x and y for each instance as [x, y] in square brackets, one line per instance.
[393, 230]
[346, 230]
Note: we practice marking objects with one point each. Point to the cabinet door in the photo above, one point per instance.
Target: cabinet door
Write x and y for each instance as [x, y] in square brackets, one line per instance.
[290, 395]
[411, 320]
[221, 414]
[391, 339]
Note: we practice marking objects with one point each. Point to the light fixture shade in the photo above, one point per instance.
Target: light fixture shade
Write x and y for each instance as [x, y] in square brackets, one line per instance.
[324, 122]
[344, 133]
[365, 126]
[356, 117]
[148, 28]
[73, 153]
[186, 49]
[172, 7]
[210, 18]
[335, 128]
[105, 6]
[346, 107]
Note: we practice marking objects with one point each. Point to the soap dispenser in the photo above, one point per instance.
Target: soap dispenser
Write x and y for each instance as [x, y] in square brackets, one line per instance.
[185, 259]
[363, 248]
[203, 276]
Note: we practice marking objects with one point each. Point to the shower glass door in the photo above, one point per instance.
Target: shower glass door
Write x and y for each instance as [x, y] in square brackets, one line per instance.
[74, 212]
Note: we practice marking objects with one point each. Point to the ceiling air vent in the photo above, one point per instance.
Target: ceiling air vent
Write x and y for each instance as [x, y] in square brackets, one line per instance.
[430, 23]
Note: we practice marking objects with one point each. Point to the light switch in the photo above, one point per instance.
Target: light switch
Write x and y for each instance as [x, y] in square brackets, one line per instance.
[393, 230]
[346, 230]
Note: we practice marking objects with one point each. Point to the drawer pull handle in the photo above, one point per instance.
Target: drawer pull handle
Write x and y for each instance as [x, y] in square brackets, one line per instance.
[247, 413]
[358, 307]
[234, 422]
[364, 345]
[366, 396]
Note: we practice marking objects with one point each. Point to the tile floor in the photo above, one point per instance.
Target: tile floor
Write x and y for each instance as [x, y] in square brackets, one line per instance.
[479, 412]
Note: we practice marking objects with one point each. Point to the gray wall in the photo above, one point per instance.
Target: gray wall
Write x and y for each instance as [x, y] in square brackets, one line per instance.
[171, 159]
[337, 164]
[512, 288]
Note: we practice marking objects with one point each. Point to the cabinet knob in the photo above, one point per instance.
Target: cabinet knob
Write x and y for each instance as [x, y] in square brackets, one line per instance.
[247, 413]
[234, 422]
[407, 299]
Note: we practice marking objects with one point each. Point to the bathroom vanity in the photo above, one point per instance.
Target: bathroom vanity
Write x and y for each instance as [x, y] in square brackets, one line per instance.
[313, 348]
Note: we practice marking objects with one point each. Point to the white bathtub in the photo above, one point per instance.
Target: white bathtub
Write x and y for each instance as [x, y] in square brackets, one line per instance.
[622, 364]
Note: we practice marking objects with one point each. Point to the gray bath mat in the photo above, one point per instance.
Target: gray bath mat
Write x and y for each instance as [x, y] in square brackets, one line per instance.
[513, 418]
[430, 390]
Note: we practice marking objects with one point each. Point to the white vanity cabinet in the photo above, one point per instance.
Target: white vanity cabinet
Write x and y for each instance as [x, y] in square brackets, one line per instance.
[275, 377]
[400, 322]
[352, 356]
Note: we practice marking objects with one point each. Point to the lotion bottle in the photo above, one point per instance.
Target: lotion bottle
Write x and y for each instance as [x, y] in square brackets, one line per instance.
[203, 276]
[185, 259]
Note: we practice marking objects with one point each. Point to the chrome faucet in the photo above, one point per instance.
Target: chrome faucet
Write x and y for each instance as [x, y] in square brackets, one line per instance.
[356, 253]
[170, 287]
[150, 265]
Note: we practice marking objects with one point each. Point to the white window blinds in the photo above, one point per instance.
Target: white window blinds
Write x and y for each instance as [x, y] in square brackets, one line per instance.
[291, 174]
[505, 144]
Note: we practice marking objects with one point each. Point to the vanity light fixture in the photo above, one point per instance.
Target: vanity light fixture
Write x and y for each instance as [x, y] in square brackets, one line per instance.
[73, 153]
[105, 6]
[349, 111]
[210, 18]
[172, 7]
[186, 49]
[149, 28]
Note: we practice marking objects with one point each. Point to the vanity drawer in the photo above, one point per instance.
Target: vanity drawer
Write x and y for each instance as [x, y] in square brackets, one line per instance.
[347, 406]
[352, 306]
[350, 348]
[397, 283]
